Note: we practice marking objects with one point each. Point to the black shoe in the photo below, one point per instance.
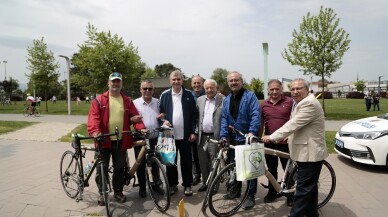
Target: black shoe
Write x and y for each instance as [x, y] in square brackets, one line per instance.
[119, 196]
[202, 188]
[101, 201]
[142, 193]
[173, 189]
[188, 191]
[249, 203]
[289, 201]
[269, 198]
[196, 180]
[232, 195]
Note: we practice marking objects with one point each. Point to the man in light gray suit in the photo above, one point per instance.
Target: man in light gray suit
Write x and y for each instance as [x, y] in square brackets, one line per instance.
[306, 138]
[210, 111]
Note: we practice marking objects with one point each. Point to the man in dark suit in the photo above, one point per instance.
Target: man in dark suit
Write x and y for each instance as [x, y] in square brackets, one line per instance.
[179, 108]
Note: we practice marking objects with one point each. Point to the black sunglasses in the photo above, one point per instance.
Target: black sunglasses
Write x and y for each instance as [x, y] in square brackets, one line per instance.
[147, 88]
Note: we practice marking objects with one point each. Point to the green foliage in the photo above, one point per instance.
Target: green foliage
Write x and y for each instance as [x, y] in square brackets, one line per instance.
[220, 75]
[319, 45]
[257, 87]
[101, 54]
[81, 129]
[149, 73]
[360, 85]
[330, 138]
[42, 64]
[164, 70]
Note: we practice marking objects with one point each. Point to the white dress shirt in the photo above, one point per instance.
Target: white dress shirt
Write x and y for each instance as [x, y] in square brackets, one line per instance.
[207, 123]
[150, 112]
[177, 116]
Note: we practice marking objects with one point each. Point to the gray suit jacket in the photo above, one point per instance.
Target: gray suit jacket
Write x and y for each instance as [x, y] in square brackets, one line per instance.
[216, 115]
[305, 131]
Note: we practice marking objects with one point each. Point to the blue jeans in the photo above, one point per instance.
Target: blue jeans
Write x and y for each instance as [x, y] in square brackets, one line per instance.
[306, 196]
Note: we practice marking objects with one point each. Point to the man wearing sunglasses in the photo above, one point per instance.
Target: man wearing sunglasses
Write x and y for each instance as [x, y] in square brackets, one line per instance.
[110, 110]
[148, 109]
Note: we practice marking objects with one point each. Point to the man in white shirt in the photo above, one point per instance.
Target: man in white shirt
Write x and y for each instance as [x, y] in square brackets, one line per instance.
[147, 106]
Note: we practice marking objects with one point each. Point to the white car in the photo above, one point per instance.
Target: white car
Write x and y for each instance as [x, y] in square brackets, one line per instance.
[364, 140]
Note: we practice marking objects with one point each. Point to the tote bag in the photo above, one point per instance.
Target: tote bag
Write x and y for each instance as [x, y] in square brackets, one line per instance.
[249, 161]
[166, 147]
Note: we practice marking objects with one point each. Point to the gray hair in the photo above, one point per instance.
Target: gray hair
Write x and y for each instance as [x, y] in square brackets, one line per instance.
[176, 73]
[274, 81]
[234, 72]
[210, 81]
[305, 83]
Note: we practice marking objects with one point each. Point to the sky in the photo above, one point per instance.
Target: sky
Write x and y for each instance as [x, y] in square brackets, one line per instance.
[197, 36]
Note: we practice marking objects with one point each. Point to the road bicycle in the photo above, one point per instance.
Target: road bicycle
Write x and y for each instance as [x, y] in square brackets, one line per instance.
[286, 187]
[27, 112]
[156, 177]
[72, 174]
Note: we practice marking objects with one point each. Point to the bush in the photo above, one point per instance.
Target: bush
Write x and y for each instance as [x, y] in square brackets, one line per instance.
[355, 95]
[326, 94]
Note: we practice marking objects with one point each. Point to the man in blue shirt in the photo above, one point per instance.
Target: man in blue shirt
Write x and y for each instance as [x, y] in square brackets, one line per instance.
[241, 110]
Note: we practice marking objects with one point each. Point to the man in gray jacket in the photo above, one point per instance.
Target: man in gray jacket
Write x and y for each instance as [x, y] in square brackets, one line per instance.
[210, 111]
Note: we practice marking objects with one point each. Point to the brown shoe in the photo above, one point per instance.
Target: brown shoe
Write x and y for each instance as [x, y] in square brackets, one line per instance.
[119, 196]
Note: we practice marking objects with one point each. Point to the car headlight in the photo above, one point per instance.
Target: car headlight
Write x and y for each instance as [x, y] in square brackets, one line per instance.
[369, 135]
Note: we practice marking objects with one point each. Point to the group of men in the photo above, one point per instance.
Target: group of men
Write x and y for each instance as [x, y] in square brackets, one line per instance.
[204, 112]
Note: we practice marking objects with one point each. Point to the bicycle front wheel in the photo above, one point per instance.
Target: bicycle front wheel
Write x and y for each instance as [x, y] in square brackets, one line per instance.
[158, 184]
[326, 183]
[70, 172]
[212, 175]
[26, 113]
[226, 193]
[36, 113]
[105, 190]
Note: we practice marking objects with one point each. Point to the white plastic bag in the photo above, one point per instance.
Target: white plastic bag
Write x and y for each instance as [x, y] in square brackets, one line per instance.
[250, 161]
[166, 147]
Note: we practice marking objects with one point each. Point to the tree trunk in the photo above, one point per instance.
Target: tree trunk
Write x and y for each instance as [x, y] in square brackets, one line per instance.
[323, 95]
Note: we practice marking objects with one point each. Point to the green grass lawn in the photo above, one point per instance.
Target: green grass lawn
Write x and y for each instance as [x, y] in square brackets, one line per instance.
[9, 126]
[59, 108]
[336, 109]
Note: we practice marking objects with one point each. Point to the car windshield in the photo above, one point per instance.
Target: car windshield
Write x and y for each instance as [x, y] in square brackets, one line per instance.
[384, 116]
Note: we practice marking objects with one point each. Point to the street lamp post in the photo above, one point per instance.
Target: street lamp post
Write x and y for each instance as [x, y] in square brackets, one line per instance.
[68, 84]
[5, 69]
[311, 84]
[265, 53]
[379, 90]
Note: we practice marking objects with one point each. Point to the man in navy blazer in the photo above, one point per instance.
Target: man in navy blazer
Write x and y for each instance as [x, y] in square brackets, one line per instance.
[179, 108]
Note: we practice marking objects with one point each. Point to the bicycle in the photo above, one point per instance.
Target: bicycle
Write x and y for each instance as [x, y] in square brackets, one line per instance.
[287, 185]
[156, 176]
[72, 174]
[27, 112]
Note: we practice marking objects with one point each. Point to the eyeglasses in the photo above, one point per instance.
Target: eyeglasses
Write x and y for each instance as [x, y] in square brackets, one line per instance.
[148, 88]
[296, 88]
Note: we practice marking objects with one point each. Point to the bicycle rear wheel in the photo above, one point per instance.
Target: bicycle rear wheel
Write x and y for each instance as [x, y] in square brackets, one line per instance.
[226, 193]
[70, 172]
[326, 183]
[105, 190]
[36, 113]
[158, 184]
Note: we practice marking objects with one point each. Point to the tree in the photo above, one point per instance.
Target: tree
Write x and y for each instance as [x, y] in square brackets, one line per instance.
[43, 68]
[100, 55]
[257, 87]
[164, 70]
[149, 73]
[220, 76]
[360, 85]
[319, 45]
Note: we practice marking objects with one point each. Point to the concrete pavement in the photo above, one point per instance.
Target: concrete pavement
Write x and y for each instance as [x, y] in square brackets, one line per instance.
[30, 184]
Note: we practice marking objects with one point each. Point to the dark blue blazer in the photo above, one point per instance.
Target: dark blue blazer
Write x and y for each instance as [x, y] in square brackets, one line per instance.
[189, 106]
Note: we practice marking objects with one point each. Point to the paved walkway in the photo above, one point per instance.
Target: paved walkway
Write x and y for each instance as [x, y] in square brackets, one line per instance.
[30, 185]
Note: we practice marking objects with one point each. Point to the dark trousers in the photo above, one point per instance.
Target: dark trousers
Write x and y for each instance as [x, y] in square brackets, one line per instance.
[184, 149]
[119, 162]
[253, 182]
[306, 196]
[272, 162]
[196, 165]
[140, 172]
